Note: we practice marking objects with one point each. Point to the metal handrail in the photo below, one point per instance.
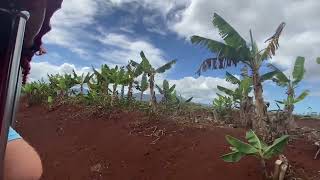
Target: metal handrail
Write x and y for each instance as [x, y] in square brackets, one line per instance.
[11, 86]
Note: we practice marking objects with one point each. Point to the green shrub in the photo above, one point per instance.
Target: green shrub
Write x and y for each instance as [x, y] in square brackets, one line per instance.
[255, 147]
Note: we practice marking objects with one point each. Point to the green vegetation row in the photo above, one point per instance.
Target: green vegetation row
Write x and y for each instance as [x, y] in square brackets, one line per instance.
[101, 87]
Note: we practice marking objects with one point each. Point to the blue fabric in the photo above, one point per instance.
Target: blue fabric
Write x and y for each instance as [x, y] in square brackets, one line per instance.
[13, 135]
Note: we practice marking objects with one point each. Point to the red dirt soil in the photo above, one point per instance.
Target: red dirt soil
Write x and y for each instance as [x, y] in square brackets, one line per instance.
[77, 144]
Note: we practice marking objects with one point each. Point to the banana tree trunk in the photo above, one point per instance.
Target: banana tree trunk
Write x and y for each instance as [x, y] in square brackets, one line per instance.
[152, 93]
[246, 112]
[81, 89]
[107, 86]
[114, 93]
[122, 91]
[290, 123]
[141, 95]
[130, 93]
[260, 124]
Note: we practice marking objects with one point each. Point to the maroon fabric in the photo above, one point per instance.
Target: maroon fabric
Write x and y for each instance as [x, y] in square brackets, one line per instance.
[27, 54]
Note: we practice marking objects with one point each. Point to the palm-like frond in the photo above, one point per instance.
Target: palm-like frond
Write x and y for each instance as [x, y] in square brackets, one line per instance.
[159, 89]
[189, 100]
[75, 75]
[280, 102]
[231, 78]
[166, 67]
[214, 63]
[225, 90]
[144, 82]
[280, 78]
[87, 77]
[229, 34]
[245, 87]
[165, 85]
[133, 63]
[172, 88]
[269, 75]
[244, 71]
[273, 44]
[145, 65]
[224, 50]
[301, 97]
[298, 71]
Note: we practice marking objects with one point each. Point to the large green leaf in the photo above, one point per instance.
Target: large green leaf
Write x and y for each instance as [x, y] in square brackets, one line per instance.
[233, 156]
[166, 67]
[87, 77]
[280, 77]
[172, 88]
[161, 91]
[189, 100]
[133, 63]
[225, 90]
[298, 71]
[280, 102]
[231, 78]
[223, 50]
[228, 33]
[283, 79]
[166, 86]
[241, 146]
[301, 97]
[253, 139]
[145, 64]
[245, 86]
[276, 148]
[144, 82]
[269, 75]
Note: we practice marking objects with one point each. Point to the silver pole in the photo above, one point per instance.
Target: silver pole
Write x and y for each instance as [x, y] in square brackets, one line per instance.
[13, 86]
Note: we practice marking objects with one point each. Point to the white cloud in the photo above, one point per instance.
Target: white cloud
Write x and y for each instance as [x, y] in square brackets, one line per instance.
[69, 23]
[125, 48]
[163, 6]
[202, 89]
[300, 36]
[40, 70]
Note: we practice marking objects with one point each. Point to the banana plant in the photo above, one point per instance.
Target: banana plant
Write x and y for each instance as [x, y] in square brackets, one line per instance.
[234, 50]
[143, 85]
[241, 92]
[81, 80]
[168, 92]
[222, 105]
[132, 74]
[61, 83]
[36, 91]
[254, 147]
[116, 76]
[291, 83]
[103, 79]
[124, 81]
[147, 68]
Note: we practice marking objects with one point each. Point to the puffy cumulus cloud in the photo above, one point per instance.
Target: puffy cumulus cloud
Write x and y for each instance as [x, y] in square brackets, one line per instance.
[202, 89]
[300, 37]
[40, 70]
[121, 48]
[69, 24]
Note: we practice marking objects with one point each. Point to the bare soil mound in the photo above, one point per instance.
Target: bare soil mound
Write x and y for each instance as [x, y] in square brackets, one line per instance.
[76, 143]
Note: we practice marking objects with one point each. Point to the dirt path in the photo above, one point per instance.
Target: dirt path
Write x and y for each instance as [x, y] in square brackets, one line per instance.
[76, 145]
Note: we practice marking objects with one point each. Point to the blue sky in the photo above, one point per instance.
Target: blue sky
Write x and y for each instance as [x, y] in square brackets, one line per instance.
[92, 32]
